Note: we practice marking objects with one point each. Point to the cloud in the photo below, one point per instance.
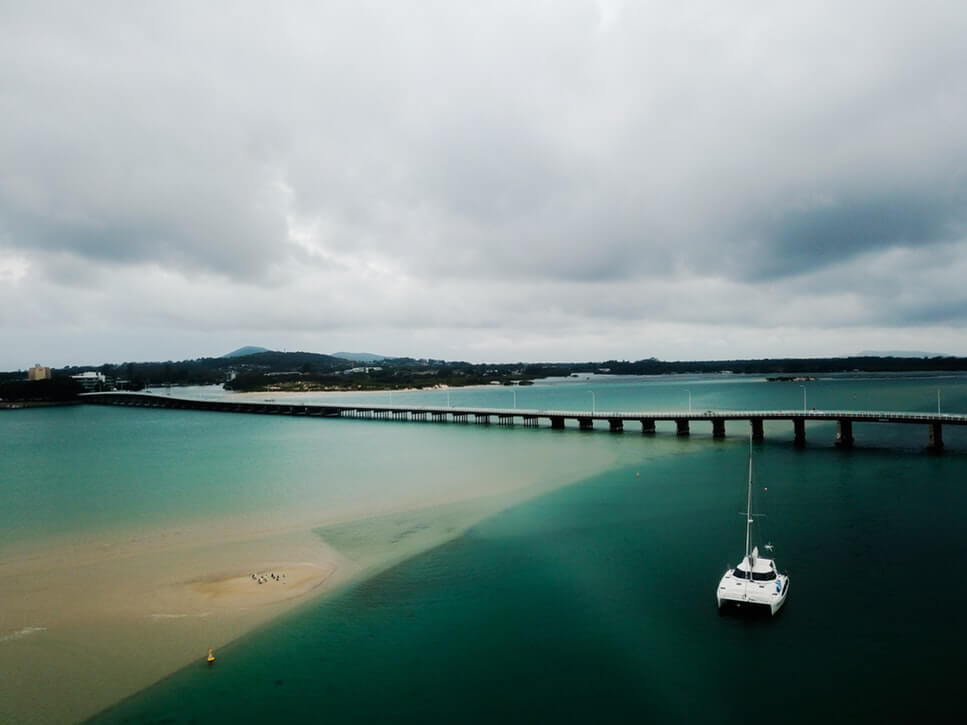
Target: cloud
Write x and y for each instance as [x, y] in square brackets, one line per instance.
[553, 172]
[812, 239]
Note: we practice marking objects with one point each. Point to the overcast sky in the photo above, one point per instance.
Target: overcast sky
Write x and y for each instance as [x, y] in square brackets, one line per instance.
[487, 181]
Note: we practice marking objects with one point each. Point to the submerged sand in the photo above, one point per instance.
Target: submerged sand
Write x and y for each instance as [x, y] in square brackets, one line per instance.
[85, 624]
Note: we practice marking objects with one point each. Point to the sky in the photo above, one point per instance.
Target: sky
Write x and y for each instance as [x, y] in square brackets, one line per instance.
[493, 182]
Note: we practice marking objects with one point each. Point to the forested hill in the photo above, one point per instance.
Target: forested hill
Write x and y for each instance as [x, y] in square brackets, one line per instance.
[201, 371]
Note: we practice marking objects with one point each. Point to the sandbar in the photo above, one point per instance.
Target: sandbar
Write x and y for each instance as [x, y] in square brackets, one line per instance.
[84, 628]
[274, 583]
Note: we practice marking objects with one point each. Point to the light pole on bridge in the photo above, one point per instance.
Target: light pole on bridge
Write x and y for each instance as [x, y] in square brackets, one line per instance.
[592, 401]
[804, 398]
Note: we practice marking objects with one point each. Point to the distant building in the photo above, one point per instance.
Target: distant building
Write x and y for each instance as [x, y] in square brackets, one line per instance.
[366, 369]
[38, 372]
[90, 380]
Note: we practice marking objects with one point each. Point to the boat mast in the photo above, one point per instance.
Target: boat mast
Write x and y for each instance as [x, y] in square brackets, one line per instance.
[748, 508]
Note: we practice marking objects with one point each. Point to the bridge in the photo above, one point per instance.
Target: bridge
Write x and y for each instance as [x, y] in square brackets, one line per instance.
[584, 420]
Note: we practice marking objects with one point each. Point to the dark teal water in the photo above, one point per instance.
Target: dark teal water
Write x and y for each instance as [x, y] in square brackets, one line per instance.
[596, 602]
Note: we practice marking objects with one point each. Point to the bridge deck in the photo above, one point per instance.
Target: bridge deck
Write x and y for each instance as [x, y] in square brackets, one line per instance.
[530, 417]
[335, 409]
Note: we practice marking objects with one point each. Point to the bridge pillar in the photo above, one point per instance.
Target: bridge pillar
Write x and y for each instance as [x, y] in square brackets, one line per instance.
[505, 420]
[757, 434]
[617, 425]
[647, 425]
[681, 425]
[844, 433]
[439, 417]
[530, 421]
[799, 429]
[586, 423]
[482, 418]
[459, 417]
[935, 437]
[718, 428]
[557, 422]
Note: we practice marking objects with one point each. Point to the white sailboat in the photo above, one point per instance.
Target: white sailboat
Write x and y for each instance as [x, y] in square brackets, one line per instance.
[755, 583]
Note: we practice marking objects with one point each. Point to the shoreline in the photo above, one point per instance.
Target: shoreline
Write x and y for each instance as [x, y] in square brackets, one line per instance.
[23, 404]
[143, 610]
[365, 564]
[106, 627]
[95, 616]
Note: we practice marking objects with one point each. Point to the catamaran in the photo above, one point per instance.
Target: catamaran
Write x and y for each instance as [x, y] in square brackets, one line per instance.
[755, 583]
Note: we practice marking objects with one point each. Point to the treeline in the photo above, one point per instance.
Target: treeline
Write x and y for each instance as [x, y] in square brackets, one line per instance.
[390, 374]
[305, 370]
[652, 366]
[206, 370]
[56, 389]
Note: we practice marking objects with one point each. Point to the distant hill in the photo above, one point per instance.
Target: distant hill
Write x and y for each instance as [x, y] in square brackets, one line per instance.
[360, 356]
[899, 353]
[247, 350]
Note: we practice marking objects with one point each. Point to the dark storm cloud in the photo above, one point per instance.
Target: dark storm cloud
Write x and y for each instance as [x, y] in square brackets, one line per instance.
[528, 141]
[805, 241]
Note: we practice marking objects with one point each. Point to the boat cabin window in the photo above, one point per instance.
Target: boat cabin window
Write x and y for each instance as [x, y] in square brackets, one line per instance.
[764, 576]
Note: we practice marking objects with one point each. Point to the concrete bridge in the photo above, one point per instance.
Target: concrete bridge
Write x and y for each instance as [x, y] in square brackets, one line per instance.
[585, 420]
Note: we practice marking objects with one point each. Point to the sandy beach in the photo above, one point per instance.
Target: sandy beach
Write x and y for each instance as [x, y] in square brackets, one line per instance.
[85, 624]
[232, 590]
[82, 628]
[156, 571]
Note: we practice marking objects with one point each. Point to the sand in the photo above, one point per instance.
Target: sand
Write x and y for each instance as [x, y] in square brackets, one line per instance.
[275, 583]
[85, 626]
[86, 623]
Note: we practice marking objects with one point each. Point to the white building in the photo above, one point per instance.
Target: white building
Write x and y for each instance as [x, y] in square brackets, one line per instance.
[91, 380]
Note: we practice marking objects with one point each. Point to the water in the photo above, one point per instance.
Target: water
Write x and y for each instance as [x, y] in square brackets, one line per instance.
[85, 469]
[596, 601]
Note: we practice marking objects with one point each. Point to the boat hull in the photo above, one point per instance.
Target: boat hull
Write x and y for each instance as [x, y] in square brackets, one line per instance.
[738, 595]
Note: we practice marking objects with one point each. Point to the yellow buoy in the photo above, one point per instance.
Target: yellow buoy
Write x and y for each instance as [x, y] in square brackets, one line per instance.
[211, 656]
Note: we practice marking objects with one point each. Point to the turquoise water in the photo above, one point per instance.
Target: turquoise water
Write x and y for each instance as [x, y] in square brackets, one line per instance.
[596, 602]
[89, 469]
[591, 602]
